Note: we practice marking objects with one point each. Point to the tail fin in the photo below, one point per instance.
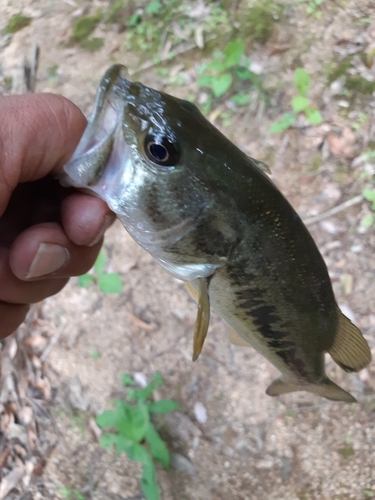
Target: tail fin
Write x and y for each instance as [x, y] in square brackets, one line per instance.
[326, 389]
[349, 350]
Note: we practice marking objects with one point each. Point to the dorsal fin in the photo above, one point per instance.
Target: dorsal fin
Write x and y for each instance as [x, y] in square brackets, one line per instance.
[261, 165]
[350, 349]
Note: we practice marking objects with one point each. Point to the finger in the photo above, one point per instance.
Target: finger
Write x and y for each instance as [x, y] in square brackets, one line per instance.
[85, 218]
[45, 250]
[39, 133]
[16, 291]
[12, 315]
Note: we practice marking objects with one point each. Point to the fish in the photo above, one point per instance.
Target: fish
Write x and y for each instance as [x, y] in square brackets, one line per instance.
[213, 218]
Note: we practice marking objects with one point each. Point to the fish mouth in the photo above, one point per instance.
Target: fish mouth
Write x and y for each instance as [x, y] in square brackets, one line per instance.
[94, 165]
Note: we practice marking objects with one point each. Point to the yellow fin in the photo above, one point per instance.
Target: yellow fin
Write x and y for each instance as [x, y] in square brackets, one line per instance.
[203, 317]
[192, 291]
[261, 165]
[326, 389]
[350, 349]
[235, 339]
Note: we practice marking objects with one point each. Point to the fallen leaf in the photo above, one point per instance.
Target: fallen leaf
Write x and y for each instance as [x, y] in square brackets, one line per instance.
[11, 480]
[342, 146]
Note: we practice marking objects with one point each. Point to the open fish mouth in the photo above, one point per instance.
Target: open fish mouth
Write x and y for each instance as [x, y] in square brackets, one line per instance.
[102, 148]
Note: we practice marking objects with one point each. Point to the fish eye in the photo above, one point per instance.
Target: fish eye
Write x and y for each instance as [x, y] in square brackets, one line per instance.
[161, 151]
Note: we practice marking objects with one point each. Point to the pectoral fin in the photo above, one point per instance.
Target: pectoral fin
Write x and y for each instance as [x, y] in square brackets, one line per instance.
[326, 388]
[350, 349]
[203, 316]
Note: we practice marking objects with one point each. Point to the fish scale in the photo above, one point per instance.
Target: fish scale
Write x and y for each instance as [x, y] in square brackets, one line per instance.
[212, 217]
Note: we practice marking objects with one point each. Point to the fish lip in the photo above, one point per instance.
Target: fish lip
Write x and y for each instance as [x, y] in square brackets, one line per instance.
[89, 162]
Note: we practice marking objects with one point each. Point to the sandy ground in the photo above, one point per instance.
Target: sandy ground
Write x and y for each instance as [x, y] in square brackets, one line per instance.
[297, 446]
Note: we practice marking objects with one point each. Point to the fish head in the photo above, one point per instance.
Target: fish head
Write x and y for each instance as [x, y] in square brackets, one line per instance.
[142, 153]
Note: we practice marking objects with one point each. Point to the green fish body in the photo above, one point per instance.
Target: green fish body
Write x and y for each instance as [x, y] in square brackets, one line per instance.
[212, 217]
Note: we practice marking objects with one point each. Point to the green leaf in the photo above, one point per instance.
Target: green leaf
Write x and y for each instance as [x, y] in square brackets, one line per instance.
[216, 66]
[163, 406]
[135, 423]
[221, 84]
[85, 280]
[369, 195]
[283, 124]
[158, 449]
[205, 80]
[240, 99]
[133, 20]
[123, 444]
[367, 220]
[233, 53]
[109, 418]
[299, 103]
[153, 7]
[99, 264]
[78, 496]
[148, 483]
[107, 440]
[301, 81]
[243, 73]
[137, 453]
[95, 354]
[110, 283]
[313, 116]
[126, 379]
[157, 380]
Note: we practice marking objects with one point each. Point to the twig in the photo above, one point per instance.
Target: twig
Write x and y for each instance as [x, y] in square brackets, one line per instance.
[348, 203]
[171, 55]
[50, 344]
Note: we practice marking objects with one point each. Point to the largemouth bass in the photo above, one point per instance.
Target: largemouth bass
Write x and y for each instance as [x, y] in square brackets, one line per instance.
[210, 215]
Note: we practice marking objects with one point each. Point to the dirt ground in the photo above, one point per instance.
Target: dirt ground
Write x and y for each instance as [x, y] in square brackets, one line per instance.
[294, 447]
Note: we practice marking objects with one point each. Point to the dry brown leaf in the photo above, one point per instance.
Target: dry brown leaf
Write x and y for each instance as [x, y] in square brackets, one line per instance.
[37, 343]
[342, 146]
[3, 457]
[11, 480]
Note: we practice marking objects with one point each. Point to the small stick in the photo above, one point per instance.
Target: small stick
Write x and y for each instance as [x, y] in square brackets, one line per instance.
[348, 203]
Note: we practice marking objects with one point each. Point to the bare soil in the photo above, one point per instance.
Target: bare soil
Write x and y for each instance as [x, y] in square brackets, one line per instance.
[295, 447]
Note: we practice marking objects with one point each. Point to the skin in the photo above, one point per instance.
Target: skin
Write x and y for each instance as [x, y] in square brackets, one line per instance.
[38, 134]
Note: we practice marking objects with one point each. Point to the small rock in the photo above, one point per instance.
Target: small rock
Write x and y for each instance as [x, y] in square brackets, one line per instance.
[200, 412]
[182, 464]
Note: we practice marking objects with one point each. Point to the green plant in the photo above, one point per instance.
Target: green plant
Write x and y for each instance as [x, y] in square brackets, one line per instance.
[312, 7]
[107, 282]
[224, 71]
[135, 433]
[369, 219]
[300, 104]
[95, 354]
[16, 23]
[69, 494]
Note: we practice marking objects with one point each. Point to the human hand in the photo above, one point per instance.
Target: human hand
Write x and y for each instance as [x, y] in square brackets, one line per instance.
[47, 233]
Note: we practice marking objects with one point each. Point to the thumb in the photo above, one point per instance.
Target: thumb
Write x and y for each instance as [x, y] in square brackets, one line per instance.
[38, 134]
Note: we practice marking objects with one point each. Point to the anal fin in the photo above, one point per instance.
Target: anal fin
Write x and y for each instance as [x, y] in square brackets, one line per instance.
[326, 388]
[350, 349]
